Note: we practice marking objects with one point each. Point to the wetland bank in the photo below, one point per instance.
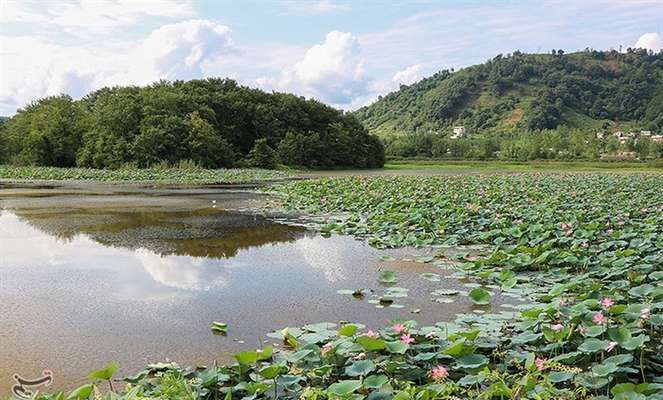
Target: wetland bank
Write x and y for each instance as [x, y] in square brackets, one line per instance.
[91, 273]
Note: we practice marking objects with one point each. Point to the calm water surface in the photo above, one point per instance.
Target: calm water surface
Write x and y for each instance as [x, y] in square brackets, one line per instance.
[92, 274]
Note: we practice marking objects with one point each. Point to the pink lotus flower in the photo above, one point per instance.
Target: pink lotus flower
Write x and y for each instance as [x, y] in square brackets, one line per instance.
[431, 335]
[472, 207]
[438, 373]
[645, 313]
[359, 356]
[557, 327]
[518, 221]
[326, 349]
[599, 318]
[540, 363]
[607, 302]
[372, 334]
[399, 328]
[562, 302]
[610, 346]
[407, 339]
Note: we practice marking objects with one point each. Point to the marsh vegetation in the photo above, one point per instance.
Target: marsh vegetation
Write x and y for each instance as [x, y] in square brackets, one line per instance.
[578, 255]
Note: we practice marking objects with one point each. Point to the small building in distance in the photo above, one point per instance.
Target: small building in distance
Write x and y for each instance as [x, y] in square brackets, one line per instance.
[621, 136]
[459, 132]
[619, 156]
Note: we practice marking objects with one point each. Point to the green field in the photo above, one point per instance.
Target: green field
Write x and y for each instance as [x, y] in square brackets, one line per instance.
[652, 166]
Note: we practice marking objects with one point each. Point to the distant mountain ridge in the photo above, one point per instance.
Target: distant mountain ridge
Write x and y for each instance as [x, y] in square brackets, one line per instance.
[590, 90]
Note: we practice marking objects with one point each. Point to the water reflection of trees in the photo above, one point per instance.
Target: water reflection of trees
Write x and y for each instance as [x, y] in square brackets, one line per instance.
[199, 233]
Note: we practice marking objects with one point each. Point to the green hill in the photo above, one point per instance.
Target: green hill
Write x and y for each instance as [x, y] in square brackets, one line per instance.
[212, 122]
[519, 93]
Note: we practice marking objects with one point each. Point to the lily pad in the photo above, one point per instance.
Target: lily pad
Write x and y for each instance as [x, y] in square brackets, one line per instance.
[219, 327]
[430, 276]
[480, 296]
[386, 276]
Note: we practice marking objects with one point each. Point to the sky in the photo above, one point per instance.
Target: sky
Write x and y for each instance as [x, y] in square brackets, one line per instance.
[341, 52]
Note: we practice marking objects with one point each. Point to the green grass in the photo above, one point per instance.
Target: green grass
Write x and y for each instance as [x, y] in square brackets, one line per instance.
[507, 166]
[159, 175]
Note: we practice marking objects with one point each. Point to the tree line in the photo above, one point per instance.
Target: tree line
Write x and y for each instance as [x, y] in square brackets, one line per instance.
[213, 122]
[558, 144]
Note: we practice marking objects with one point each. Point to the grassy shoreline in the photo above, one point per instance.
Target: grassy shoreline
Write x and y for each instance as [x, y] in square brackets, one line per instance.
[149, 175]
[173, 175]
[516, 166]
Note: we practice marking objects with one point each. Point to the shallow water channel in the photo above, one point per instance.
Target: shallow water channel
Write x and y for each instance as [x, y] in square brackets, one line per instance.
[90, 274]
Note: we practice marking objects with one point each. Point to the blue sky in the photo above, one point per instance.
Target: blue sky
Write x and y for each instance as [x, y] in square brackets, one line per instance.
[345, 53]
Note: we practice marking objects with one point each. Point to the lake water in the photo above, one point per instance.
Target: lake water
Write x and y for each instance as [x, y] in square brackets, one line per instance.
[90, 274]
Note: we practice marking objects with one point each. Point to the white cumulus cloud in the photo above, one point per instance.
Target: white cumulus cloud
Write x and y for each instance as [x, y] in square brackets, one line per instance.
[96, 15]
[407, 76]
[650, 41]
[308, 7]
[332, 71]
[33, 67]
[180, 50]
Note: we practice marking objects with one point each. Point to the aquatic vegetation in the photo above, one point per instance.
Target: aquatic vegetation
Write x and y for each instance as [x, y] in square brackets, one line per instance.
[418, 211]
[220, 328]
[386, 276]
[161, 175]
[585, 250]
[401, 361]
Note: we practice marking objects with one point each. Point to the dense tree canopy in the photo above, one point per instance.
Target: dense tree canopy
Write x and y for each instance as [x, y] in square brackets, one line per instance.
[213, 122]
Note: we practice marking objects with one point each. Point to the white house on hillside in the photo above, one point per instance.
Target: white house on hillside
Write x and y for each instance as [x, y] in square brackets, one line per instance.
[459, 132]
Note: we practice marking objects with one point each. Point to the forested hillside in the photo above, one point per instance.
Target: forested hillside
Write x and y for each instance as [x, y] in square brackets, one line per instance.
[524, 98]
[214, 123]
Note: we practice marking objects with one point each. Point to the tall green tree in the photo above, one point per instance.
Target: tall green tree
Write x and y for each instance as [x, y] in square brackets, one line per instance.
[263, 155]
[206, 147]
[46, 132]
